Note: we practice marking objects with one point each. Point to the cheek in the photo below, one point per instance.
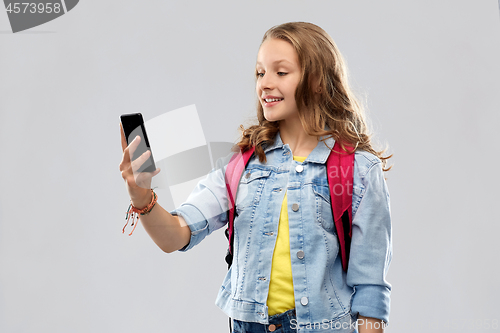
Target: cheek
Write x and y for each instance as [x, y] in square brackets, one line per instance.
[292, 88]
[291, 93]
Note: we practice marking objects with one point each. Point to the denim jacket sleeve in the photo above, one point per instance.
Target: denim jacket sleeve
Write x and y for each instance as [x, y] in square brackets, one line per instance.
[205, 210]
[371, 244]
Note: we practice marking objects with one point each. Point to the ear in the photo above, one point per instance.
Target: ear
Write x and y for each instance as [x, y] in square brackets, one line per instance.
[315, 84]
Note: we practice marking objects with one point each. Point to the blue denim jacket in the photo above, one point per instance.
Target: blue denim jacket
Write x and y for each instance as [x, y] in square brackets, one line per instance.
[326, 297]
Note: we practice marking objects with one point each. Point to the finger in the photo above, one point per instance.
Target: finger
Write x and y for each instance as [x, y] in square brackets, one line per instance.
[129, 151]
[137, 163]
[154, 173]
[125, 163]
[122, 134]
[132, 145]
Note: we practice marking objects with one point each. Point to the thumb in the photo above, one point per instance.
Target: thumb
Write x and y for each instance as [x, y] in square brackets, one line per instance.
[157, 171]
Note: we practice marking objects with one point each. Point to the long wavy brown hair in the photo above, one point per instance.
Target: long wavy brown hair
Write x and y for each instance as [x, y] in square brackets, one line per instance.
[323, 95]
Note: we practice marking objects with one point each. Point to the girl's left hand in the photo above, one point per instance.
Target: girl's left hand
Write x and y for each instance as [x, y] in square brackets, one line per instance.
[370, 325]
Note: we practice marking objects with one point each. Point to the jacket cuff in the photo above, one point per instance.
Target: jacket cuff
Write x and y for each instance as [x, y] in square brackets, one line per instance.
[372, 301]
[196, 222]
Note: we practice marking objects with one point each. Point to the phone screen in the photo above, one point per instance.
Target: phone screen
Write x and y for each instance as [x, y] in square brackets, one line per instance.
[133, 125]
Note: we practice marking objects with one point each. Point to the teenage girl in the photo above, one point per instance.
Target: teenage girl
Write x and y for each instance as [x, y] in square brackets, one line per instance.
[287, 274]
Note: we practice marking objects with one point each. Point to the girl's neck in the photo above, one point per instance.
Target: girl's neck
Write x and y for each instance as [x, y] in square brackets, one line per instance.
[293, 134]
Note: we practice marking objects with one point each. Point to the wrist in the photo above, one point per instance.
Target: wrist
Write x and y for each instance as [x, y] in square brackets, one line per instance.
[142, 201]
[135, 213]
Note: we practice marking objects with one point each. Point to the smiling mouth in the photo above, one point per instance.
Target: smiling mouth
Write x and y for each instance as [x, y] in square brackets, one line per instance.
[270, 100]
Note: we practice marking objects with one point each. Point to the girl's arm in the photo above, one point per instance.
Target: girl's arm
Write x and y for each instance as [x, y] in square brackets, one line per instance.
[370, 325]
[371, 243]
[169, 232]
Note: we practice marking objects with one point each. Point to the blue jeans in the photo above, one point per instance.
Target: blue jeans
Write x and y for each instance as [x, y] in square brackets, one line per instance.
[279, 323]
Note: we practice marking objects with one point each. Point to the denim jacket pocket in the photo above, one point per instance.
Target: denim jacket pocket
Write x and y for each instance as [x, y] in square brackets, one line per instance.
[324, 206]
[250, 189]
[324, 213]
[357, 194]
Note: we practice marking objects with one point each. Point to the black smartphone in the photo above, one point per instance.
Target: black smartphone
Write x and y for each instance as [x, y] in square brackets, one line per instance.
[133, 125]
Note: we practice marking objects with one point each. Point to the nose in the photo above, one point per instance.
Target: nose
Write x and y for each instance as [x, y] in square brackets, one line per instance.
[266, 82]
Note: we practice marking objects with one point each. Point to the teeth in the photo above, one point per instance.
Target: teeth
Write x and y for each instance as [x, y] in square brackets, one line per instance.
[268, 100]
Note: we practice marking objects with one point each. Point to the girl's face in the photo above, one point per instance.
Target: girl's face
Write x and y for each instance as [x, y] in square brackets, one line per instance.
[278, 75]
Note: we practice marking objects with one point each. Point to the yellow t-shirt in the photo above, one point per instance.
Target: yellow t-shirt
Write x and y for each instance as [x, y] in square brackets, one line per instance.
[281, 297]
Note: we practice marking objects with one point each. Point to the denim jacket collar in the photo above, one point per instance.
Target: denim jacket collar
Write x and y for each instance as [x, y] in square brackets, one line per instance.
[319, 154]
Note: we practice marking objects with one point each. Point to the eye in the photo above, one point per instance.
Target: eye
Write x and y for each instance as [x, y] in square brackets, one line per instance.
[282, 73]
[259, 74]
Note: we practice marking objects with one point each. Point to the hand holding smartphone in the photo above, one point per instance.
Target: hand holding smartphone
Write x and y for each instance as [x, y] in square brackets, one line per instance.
[136, 166]
[133, 125]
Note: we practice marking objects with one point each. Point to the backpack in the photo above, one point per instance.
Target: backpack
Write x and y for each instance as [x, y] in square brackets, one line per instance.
[340, 168]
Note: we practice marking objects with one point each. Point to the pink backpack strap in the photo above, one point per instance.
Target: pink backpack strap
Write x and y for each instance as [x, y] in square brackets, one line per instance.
[234, 170]
[340, 169]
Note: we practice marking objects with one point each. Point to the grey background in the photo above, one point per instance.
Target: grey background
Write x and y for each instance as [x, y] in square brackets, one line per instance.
[429, 73]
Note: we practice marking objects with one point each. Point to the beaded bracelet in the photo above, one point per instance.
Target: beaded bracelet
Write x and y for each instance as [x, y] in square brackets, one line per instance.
[135, 213]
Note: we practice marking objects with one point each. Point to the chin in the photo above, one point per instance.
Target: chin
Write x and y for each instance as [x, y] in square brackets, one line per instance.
[270, 117]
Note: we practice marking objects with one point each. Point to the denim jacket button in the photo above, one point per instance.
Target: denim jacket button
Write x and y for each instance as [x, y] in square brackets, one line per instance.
[299, 168]
[300, 254]
[248, 175]
[272, 327]
[295, 207]
[304, 300]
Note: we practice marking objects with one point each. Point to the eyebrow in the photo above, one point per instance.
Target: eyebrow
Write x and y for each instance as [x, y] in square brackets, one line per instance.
[276, 62]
